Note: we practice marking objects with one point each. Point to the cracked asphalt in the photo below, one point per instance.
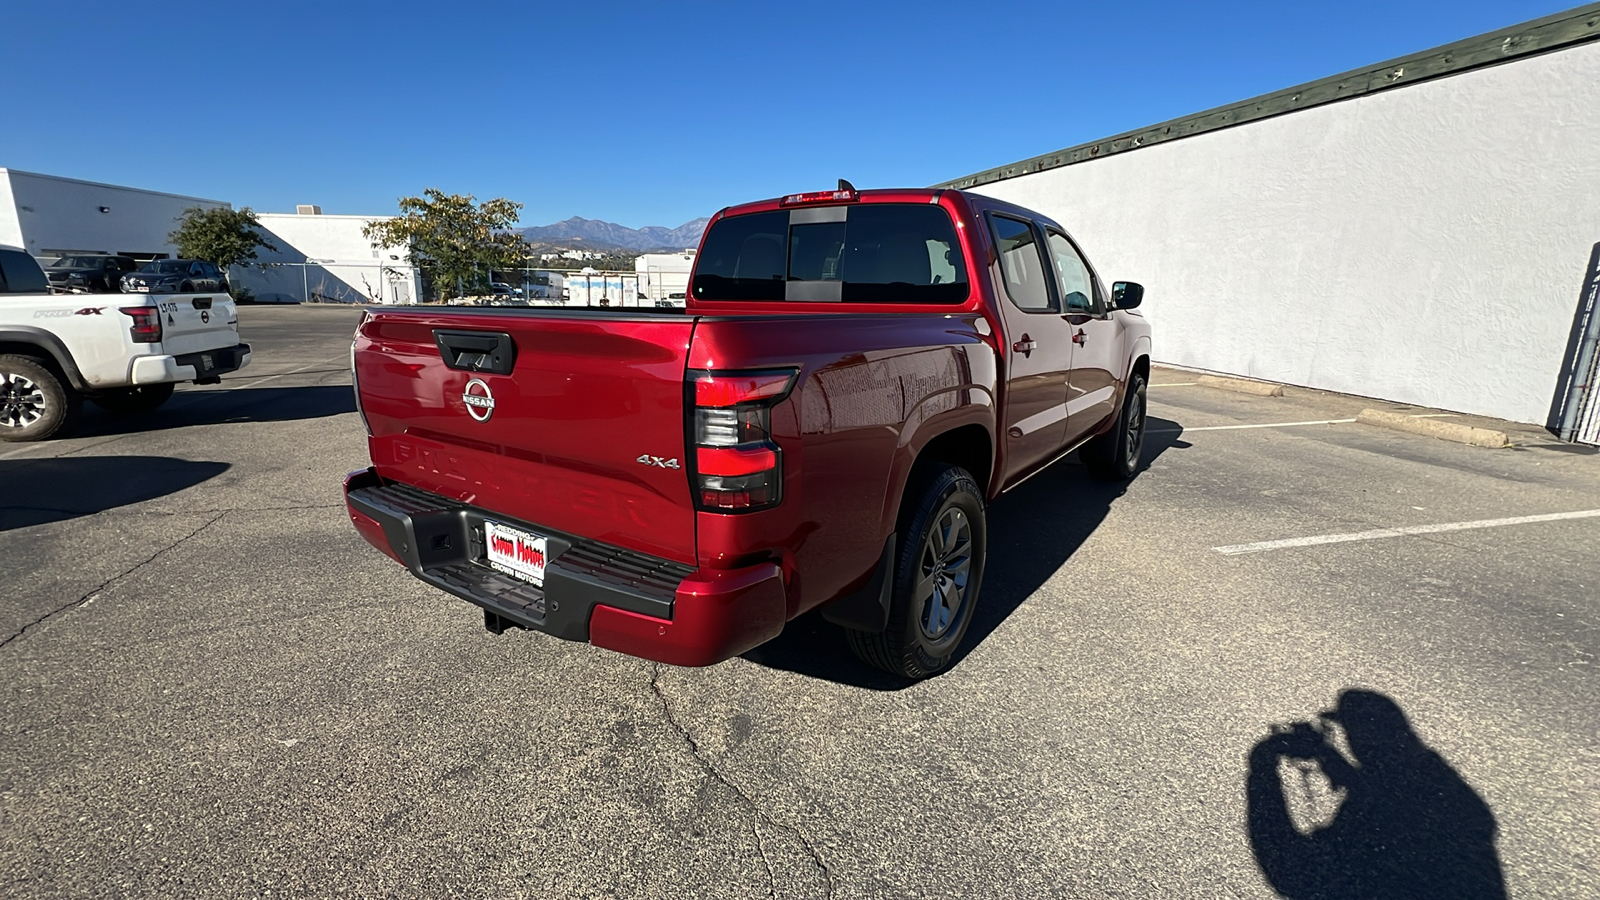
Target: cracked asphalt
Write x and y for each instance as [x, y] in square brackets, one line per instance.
[214, 688]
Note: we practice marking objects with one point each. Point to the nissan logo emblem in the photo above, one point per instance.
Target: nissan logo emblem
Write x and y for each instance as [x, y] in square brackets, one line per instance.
[479, 400]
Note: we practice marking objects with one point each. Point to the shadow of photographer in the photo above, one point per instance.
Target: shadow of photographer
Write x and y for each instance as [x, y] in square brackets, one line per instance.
[1354, 805]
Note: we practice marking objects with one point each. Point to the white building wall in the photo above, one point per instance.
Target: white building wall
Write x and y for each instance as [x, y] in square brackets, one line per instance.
[10, 226]
[51, 213]
[326, 259]
[1425, 244]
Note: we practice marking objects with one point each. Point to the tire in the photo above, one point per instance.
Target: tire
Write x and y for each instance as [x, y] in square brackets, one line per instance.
[133, 401]
[186, 288]
[1115, 455]
[35, 404]
[937, 575]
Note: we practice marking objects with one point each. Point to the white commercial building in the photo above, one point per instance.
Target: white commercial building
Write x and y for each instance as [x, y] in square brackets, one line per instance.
[664, 277]
[51, 216]
[326, 259]
[1423, 230]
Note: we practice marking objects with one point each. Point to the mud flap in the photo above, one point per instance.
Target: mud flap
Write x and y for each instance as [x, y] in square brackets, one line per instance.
[868, 608]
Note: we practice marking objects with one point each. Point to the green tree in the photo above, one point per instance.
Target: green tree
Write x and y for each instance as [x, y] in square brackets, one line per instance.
[226, 237]
[453, 239]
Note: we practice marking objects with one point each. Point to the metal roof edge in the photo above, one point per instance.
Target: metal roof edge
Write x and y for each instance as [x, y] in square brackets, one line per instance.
[1553, 32]
[115, 187]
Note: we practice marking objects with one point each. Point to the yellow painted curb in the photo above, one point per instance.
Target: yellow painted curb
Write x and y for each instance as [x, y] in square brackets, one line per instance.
[1241, 385]
[1444, 431]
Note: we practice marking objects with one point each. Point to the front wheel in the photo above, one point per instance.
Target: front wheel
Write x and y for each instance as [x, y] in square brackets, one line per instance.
[34, 403]
[938, 571]
[1115, 455]
[134, 400]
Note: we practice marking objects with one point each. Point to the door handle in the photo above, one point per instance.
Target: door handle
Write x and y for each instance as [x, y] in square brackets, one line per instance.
[1080, 338]
[1024, 346]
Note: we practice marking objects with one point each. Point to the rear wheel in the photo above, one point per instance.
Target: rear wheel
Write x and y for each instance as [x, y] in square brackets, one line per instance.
[1115, 455]
[186, 288]
[938, 571]
[134, 400]
[34, 403]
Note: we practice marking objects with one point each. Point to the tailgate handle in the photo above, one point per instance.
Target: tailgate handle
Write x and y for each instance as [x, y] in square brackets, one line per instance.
[202, 302]
[477, 351]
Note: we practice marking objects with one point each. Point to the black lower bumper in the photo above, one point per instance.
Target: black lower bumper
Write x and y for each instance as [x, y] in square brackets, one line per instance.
[215, 362]
[441, 542]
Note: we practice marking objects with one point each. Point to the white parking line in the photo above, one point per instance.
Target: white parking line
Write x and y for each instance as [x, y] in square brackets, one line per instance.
[1236, 549]
[1177, 384]
[1236, 427]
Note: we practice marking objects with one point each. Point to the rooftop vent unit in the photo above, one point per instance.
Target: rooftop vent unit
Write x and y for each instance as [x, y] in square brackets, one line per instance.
[306, 209]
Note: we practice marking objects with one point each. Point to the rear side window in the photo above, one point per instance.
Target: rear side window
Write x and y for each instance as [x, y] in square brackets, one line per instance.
[867, 253]
[20, 274]
[1021, 264]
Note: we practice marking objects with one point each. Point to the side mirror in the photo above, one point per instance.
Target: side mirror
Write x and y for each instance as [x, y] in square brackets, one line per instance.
[1127, 294]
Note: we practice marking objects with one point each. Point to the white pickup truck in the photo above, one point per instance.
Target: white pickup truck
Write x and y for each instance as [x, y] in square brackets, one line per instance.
[122, 352]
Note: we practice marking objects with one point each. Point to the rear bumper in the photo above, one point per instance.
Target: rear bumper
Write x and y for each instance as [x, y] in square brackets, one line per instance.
[629, 602]
[189, 366]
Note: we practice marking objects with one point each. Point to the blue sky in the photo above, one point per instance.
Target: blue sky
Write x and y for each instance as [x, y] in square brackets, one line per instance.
[640, 113]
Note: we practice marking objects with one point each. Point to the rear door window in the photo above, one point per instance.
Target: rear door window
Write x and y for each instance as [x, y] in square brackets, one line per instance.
[20, 274]
[866, 253]
[1021, 264]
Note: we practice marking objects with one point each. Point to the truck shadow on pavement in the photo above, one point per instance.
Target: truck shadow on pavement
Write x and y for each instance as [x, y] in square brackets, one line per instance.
[215, 407]
[40, 491]
[1033, 531]
[1376, 814]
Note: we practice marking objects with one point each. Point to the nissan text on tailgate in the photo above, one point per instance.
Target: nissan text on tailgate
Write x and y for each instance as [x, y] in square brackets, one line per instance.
[855, 376]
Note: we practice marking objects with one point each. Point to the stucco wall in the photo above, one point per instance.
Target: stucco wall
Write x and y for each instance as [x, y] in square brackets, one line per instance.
[64, 214]
[326, 259]
[1426, 244]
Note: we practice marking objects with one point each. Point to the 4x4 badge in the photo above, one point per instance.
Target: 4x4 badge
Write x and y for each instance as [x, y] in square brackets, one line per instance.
[479, 400]
[649, 460]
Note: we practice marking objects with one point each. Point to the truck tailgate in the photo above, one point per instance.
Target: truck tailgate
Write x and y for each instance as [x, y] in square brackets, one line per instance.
[192, 323]
[581, 430]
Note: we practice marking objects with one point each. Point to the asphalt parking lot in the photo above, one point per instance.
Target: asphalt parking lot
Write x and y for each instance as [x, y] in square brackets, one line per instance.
[213, 687]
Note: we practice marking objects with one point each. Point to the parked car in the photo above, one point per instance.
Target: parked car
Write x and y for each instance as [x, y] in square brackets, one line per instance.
[176, 276]
[504, 293]
[89, 273]
[125, 356]
[855, 377]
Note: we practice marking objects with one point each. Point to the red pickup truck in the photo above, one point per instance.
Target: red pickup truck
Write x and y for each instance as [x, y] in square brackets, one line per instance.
[855, 375]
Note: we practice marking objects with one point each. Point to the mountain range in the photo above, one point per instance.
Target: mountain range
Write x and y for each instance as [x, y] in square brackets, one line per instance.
[581, 233]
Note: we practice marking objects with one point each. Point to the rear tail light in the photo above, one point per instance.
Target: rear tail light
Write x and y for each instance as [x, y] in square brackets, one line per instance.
[737, 466]
[146, 324]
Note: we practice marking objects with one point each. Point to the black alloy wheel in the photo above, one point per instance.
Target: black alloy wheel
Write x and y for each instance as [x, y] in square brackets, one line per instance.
[944, 573]
[1116, 455]
[938, 571]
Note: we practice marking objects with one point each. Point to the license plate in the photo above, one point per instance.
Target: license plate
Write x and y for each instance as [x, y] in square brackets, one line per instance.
[141, 288]
[515, 552]
[205, 361]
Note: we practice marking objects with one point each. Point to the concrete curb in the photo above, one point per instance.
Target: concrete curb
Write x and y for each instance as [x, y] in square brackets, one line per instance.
[1241, 385]
[1444, 431]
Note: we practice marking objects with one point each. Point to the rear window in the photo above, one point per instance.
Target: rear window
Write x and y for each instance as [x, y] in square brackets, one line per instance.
[20, 274]
[867, 253]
